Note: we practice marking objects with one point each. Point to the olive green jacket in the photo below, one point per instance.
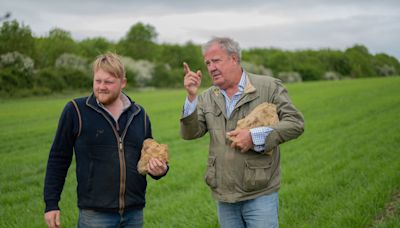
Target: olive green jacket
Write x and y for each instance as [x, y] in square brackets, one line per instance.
[234, 176]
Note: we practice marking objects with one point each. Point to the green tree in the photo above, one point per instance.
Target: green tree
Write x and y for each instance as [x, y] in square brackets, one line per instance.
[50, 48]
[173, 55]
[165, 76]
[139, 42]
[255, 56]
[334, 61]
[360, 61]
[16, 72]
[386, 65]
[93, 47]
[278, 60]
[16, 37]
[308, 64]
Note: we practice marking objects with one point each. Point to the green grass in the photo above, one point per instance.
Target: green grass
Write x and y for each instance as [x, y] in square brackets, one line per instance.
[340, 173]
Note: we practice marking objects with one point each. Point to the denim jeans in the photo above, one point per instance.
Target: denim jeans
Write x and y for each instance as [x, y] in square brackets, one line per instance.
[96, 219]
[256, 213]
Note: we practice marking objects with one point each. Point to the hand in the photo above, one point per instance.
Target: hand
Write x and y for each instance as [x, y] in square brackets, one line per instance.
[241, 139]
[191, 81]
[156, 167]
[52, 219]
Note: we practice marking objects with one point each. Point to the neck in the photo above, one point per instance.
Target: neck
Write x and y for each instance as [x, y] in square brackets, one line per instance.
[234, 86]
[231, 91]
[115, 108]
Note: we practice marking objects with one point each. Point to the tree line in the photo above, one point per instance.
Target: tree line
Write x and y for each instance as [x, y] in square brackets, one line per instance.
[56, 62]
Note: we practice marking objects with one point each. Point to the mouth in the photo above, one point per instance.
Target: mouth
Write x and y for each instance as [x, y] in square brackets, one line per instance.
[216, 77]
[216, 74]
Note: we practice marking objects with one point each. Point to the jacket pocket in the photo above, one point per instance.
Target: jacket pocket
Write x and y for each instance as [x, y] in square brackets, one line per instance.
[257, 173]
[210, 177]
[103, 178]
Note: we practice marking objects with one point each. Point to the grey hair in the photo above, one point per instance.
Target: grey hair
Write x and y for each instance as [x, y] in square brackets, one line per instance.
[225, 43]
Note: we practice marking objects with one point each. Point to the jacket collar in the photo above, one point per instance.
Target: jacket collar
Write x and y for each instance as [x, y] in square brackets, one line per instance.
[249, 88]
[249, 94]
[91, 101]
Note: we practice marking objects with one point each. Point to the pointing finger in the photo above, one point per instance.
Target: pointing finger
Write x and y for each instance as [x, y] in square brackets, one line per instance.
[186, 68]
[199, 73]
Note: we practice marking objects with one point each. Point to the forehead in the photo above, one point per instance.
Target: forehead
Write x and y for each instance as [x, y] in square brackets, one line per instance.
[102, 74]
[214, 51]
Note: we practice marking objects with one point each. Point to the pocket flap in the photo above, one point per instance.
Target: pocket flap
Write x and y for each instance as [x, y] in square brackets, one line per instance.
[214, 111]
[258, 163]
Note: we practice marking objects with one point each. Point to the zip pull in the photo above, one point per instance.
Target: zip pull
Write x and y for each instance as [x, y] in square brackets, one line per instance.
[120, 143]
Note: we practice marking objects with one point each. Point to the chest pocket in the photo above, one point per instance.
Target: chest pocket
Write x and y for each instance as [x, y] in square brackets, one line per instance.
[214, 118]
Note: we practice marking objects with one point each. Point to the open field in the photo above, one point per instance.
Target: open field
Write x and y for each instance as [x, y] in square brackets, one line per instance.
[342, 172]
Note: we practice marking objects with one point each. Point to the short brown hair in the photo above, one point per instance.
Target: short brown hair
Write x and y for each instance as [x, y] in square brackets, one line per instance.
[111, 63]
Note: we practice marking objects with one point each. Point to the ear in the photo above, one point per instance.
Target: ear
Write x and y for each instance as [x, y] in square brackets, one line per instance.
[123, 83]
[235, 58]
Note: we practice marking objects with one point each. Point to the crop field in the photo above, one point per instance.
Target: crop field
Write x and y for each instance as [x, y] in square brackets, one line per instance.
[344, 171]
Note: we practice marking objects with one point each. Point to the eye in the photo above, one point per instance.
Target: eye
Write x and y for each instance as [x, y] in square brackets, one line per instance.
[216, 60]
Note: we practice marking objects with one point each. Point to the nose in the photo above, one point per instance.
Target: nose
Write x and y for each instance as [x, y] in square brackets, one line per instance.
[102, 85]
[211, 67]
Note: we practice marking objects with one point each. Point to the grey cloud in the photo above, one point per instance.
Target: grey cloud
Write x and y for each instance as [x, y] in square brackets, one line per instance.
[145, 7]
[378, 33]
[373, 23]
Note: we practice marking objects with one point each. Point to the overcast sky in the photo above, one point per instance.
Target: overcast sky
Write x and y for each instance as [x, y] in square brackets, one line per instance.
[285, 24]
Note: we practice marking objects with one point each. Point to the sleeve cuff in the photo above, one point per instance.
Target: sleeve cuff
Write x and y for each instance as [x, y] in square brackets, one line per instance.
[189, 107]
[258, 136]
[51, 206]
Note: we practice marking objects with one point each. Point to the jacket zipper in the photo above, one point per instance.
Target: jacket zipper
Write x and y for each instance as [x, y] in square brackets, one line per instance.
[122, 169]
[122, 163]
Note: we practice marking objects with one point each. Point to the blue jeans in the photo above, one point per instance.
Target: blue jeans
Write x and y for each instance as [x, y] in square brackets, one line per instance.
[96, 219]
[259, 212]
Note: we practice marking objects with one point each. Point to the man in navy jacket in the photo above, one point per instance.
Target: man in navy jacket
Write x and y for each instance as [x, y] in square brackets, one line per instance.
[106, 130]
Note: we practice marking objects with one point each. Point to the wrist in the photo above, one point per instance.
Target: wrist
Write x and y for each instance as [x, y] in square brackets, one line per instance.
[51, 205]
[191, 97]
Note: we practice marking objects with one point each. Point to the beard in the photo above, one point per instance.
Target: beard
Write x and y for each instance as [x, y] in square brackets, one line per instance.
[106, 97]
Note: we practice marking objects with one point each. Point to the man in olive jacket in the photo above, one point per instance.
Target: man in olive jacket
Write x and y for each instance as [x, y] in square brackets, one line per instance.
[243, 177]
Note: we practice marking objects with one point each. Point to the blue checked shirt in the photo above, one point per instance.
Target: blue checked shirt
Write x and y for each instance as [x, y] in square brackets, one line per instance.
[258, 134]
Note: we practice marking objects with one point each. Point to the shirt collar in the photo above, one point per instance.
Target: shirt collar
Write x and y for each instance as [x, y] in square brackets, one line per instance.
[241, 85]
[242, 82]
[126, 103]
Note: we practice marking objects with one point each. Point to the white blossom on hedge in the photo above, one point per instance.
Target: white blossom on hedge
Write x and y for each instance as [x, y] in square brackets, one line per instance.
[331, 75]
[290, 77]
[143, 69]
[386, 70]
[256, 69]
[72, 61]
[21, 63]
